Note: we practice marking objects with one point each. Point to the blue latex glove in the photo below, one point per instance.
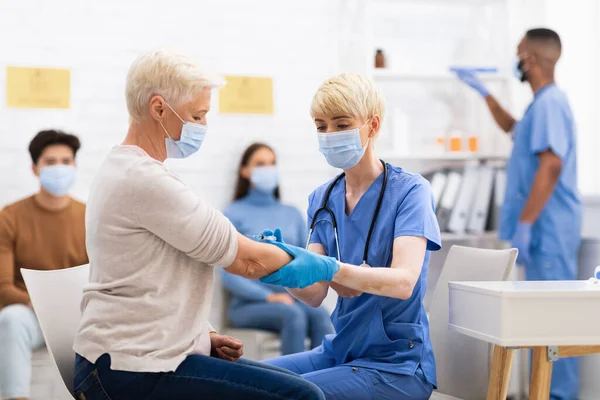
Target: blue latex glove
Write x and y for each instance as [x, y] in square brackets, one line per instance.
[522, 241]
[472, 80]
[304, 270]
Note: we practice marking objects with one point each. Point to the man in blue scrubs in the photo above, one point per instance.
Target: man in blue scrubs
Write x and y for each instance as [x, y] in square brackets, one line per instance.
[541, 215]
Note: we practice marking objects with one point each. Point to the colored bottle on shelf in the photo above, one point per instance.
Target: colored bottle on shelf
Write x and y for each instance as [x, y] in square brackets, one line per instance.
[473, 144]
[455, 143]
[440, 145]
[379, 59]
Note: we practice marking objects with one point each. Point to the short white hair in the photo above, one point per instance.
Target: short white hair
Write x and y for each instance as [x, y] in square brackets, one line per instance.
[170, 74]
[348, 94]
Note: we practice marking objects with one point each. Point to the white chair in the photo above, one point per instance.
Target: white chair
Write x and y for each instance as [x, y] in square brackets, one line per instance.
[258, 344]
[46, 383]
[56, 299]
[463, 363]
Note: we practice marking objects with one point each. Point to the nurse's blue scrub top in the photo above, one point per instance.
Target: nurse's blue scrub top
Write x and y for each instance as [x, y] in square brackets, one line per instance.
[379, 332]
[548, 124]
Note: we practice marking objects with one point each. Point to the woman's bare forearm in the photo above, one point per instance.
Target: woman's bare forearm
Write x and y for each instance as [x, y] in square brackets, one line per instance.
[396, 282]
[312, 295]
[255, 260]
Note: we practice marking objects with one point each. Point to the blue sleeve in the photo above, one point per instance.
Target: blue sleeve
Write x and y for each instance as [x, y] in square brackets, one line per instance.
[244, 288]
[416, 216]
[550, 127]
[315, 238]
[230, 213]
[301, 232]
[236, 214]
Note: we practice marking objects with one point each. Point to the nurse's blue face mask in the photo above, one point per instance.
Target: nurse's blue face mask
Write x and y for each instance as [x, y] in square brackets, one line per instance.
[192, 136]
[342, 149]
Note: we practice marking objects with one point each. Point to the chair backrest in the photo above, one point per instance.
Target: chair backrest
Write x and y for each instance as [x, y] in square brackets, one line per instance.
[462, 362]
[56, 299]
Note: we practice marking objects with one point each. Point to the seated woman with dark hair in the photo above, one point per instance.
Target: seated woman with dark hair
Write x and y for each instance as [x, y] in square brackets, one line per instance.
[259, 305]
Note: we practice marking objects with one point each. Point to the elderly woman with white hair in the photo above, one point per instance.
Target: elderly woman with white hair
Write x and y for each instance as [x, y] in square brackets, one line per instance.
[152, 245]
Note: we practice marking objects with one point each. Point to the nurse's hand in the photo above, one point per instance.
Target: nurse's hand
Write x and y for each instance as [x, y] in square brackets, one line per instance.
[522, 242]
[305, 269]
[225, 347]
[471, 79]
[344, 291]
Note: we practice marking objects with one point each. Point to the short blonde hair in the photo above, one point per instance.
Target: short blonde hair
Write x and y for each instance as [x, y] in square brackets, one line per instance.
[167, 73]
[350, 94]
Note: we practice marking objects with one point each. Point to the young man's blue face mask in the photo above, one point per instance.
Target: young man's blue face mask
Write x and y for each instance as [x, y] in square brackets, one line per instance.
[57, 179]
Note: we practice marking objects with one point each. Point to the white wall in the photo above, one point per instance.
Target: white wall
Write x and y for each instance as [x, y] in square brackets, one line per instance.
[292, 41]
[577, 71]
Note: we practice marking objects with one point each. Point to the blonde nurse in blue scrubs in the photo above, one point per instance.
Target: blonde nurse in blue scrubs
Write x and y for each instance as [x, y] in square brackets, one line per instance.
[379, 221]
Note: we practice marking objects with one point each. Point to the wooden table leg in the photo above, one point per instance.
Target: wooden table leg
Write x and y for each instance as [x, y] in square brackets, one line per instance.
[500, 373]
[541, 374]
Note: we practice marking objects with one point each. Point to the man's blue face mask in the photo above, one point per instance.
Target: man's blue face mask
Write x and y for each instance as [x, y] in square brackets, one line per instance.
[518, 70]
[57, 179]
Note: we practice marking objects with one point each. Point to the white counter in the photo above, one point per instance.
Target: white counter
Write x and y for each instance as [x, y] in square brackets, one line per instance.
[515, 314]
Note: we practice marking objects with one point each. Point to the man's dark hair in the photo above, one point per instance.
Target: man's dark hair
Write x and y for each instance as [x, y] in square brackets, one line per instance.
[548, 36]
[49, 138]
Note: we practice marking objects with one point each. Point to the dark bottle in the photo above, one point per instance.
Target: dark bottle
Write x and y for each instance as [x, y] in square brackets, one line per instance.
[379, 59]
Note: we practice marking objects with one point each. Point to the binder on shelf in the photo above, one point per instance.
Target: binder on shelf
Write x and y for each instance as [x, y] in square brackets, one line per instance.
[448, 199]
[464, 200]
[438, 183]
[498, 199]
[481, 204]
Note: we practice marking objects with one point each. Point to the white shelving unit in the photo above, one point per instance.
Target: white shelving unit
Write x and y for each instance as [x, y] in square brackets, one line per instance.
[455, 2]
[384, 74]
[421, 40]
[425, 100]
[447, 156]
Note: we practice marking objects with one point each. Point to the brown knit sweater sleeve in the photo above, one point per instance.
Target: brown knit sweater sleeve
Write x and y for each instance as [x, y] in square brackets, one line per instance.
[9, 293]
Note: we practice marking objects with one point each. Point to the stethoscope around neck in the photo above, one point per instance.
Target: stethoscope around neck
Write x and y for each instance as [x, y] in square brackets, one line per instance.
[333, 222]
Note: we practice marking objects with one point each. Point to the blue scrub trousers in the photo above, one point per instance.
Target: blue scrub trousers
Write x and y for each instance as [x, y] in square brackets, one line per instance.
[565, 372]
[293, 322]
[345, 382]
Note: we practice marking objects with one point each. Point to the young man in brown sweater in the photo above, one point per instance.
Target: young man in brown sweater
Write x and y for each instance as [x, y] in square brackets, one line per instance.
[45, 231]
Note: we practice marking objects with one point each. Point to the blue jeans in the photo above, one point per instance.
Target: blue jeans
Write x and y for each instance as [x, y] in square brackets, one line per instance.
[197, 377]
[20, 333]
[292, 322]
